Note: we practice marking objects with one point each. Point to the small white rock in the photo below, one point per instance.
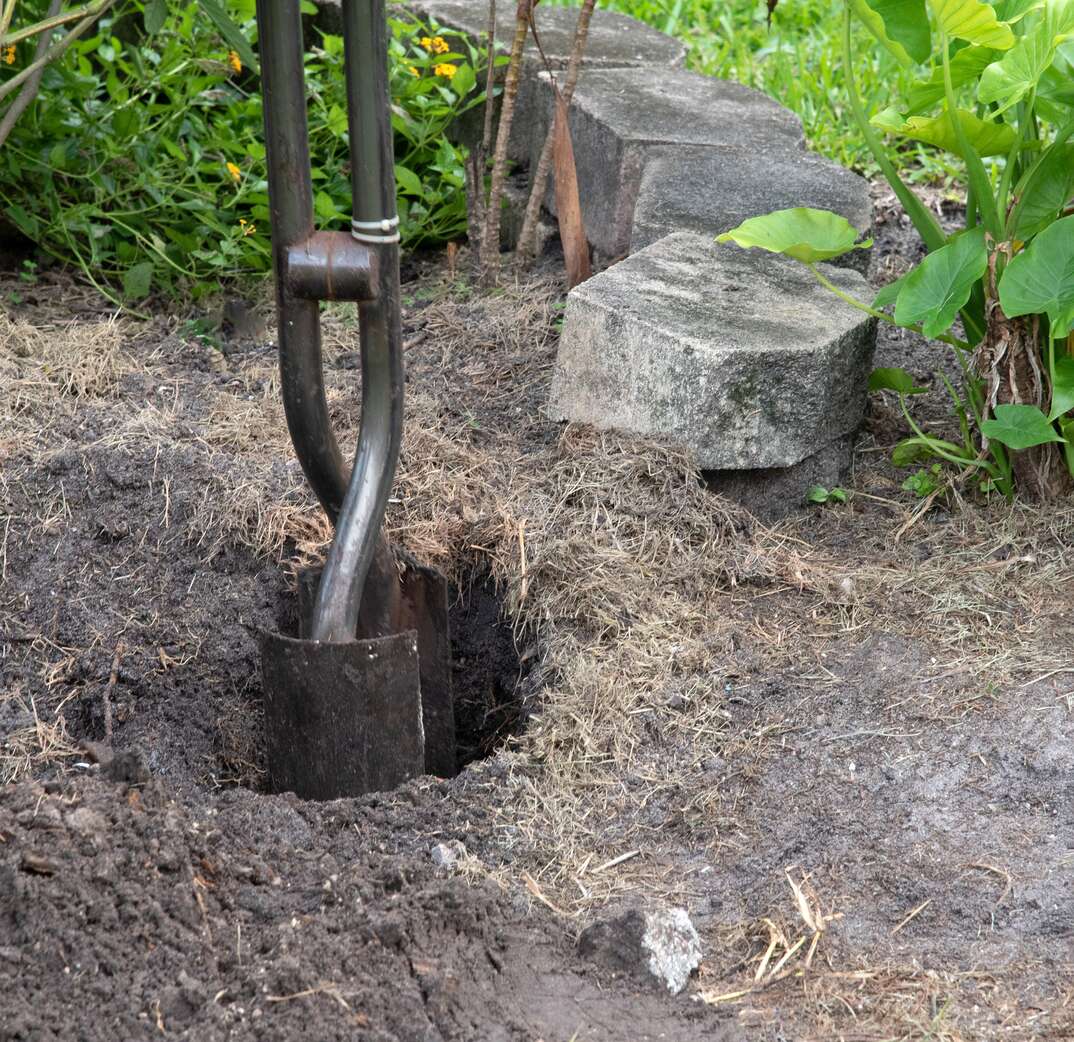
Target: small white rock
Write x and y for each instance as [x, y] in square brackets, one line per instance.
[447, 855]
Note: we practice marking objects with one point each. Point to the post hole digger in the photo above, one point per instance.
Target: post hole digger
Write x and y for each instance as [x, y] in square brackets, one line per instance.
[361, 699]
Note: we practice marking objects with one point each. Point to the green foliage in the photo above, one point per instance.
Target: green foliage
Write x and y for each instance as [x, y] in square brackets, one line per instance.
[1009, 275]
[924, 481]
[820, 495]
[143, 160]
[802, 233]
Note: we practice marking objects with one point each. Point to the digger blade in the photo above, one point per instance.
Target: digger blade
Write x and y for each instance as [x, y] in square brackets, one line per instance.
[342, 719]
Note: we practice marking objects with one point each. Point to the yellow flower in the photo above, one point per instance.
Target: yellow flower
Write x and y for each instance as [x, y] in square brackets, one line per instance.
[426, 43]
[236, 173]
[413, 71]
[247, 229]
[446, 69]
[9, 55]
[440, 45]
[234, 61]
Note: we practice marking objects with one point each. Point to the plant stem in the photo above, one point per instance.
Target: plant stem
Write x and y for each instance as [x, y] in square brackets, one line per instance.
[873, 312]
[527, 237]
[30, 87]
[49, 22]
[1025, 110]
[490, 236]
[927, 226]
[54, 51]
[975, 169]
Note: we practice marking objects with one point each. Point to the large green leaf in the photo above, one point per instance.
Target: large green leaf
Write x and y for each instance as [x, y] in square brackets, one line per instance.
[1013, 76]
[1040, 280]
[1046, 191]
[1019, 427]
[1012, 11]
[889, 294]
[972, 21]
[902, 26]
[802, 233]
[894, 379]
[986, 138]
[966, 67]
[938, 288]
[1063, 387]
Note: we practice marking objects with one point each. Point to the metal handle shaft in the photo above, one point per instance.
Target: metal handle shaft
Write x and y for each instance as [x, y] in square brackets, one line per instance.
[356, 506]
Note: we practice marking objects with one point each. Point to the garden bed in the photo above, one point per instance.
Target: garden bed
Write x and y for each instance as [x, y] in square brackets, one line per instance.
[843, 743]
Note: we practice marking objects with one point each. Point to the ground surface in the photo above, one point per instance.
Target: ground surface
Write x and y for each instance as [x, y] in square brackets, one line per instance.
[843, 743]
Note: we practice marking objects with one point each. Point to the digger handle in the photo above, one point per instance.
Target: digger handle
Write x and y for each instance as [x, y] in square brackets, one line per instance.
[362, 265]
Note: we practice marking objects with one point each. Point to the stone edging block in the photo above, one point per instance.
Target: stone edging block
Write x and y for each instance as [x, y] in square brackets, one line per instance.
[615, 41]
[618, 117]
[739, 356]
[714, 190]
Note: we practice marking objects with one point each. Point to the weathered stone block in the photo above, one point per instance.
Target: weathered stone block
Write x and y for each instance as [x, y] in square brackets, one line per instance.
[739, 356]
[618, 118]
[615, 41]
[713, 190]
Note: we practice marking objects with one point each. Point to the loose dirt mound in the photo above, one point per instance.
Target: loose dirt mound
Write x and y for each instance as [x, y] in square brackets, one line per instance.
[842, 743]
[123, 915]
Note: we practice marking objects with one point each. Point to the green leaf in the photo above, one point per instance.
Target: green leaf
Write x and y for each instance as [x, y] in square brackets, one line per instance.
[1040, 280]
[232, 34]
[902, 26]
[938, 288]
[966, 67]
[137, 280]
[986, 138]
[889, 294]
[894, 379]
[910, 451]
[1063, 387]
[923, 482]
[817, 494]
[324, 206]
[1012, 11]
[408, 182]
[1019, 427]
[25, 222]
[803, 233]
[1019, 70]
[463, 81]
[1046, 191]
[154, 16]
[972, 21]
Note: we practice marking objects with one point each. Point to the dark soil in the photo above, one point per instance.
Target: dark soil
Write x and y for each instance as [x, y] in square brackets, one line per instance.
[124, 915]
[902, 748]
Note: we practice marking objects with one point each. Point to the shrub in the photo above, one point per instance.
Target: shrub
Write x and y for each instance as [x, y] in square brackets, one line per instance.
[142, 161]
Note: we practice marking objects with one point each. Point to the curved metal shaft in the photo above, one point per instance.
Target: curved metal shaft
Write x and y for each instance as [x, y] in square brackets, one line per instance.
[375, 221]
[291, 204]
[303, 269]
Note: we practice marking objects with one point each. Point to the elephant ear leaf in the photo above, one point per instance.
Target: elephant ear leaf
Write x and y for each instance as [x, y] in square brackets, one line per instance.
[803, 233]
[1046, 191]
[1040, 280]
[902, 26]
[1019, 427]
[1014, 75]
[972, 21]
[986, 138]
[938, 288]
